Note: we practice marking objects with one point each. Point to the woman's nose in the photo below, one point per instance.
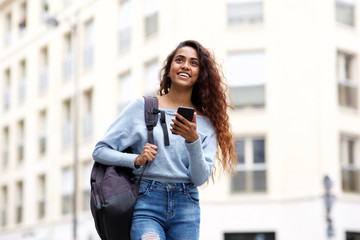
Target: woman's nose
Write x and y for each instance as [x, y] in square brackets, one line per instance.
[185, 65]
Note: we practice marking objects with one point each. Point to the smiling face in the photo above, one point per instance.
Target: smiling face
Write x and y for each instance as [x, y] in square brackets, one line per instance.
[185, 67]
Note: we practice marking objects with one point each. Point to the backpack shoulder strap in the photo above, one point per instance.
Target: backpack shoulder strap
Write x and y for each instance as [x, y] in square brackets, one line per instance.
[151, 116]
[151, 119]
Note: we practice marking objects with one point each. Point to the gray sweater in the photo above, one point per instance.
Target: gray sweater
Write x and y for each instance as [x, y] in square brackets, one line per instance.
[181, 162]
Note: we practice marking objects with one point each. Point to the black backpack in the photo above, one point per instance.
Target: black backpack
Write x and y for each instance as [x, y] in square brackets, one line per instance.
[113, 191]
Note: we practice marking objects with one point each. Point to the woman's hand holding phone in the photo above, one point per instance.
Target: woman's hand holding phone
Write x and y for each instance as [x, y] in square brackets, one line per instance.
[185, 128]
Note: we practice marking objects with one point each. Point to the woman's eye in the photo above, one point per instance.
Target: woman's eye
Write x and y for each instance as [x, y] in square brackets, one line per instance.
[195, 63]
[178, 60]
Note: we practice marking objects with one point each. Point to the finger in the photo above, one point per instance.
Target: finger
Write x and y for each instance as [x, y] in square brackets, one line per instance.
[153, 152]
[194, 118]
[149, 157]
[181, 118]
[152, 146]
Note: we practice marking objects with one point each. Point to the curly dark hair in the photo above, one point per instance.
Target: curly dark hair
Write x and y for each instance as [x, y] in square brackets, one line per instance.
[209, 97]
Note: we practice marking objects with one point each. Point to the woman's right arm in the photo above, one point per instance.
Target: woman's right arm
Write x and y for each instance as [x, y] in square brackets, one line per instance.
[109, 153]
[122, 134]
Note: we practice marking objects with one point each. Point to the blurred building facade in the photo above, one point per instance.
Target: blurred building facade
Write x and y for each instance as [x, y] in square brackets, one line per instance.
[293, 71]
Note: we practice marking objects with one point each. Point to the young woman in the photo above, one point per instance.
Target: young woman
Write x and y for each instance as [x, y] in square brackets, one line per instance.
[168, 203]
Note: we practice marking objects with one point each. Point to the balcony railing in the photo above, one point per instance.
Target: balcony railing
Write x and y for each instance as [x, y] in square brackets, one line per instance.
[345, 13]
[248, 96]
[348, 94]
[351, 179]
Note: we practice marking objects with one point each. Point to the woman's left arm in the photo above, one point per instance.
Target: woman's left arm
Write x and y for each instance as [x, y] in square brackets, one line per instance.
[202, 152]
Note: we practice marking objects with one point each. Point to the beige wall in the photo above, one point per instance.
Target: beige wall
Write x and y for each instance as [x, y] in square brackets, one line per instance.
[301, 122]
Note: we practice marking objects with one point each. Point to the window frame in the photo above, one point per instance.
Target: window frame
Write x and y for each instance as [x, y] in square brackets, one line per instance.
[347, 80]
[248, 20]
[67, 191]
[41, 200]
[43, 144]
[350, 4]
[249, 235]
[249, 167]
[88, 113]
[4, 201]
[150, 68]
[125, 25]
[251, 83]
[152, 13]
[67, 123]
[126, 89]
[89, 44]
[350, 163]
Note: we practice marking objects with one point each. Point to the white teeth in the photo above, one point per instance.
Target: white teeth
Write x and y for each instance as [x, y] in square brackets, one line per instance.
[184, 74]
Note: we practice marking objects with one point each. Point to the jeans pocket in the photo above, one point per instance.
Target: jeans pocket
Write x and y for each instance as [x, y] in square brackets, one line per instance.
[193, 194]
[143, 190]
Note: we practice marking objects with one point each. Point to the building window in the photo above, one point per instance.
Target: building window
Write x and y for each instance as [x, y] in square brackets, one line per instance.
[352, 236]
[89, 45]
[125, 25]
[7, 87]
[8, 29]
[42, 132]
[251, 168]
[126, 90]
[22, 81]
[246, 76]
[88, 115]
[21, 141]
[350, 163]
[151, 77]
[4, 206]
[68, 60]
[68, 129]
[5, 147]
[44, 69]
[45, 10]
[241, 12]
[45, 5]
[67, 191]
[67, 2]
[348, 86]
[41, 201]
[152, 8]
[87, 167]
[345, 12]
[23, 18]
[250, 236]
[19, 202]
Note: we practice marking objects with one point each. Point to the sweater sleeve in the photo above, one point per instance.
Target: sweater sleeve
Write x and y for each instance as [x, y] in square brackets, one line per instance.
[202, 156]
[119, 137]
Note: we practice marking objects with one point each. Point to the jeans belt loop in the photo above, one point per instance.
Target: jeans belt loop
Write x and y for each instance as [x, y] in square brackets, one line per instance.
[184, 188]
[152, 185]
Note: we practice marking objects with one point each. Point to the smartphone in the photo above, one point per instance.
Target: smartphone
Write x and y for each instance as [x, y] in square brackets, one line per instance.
[186, 112]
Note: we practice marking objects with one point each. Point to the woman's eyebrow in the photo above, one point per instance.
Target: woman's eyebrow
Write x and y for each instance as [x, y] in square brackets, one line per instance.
[182, 56]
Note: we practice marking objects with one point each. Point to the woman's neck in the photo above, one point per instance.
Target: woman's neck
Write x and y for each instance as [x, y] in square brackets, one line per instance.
[175, 99]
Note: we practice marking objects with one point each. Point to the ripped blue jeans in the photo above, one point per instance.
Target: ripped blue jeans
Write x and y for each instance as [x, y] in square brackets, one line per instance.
[166, 211]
